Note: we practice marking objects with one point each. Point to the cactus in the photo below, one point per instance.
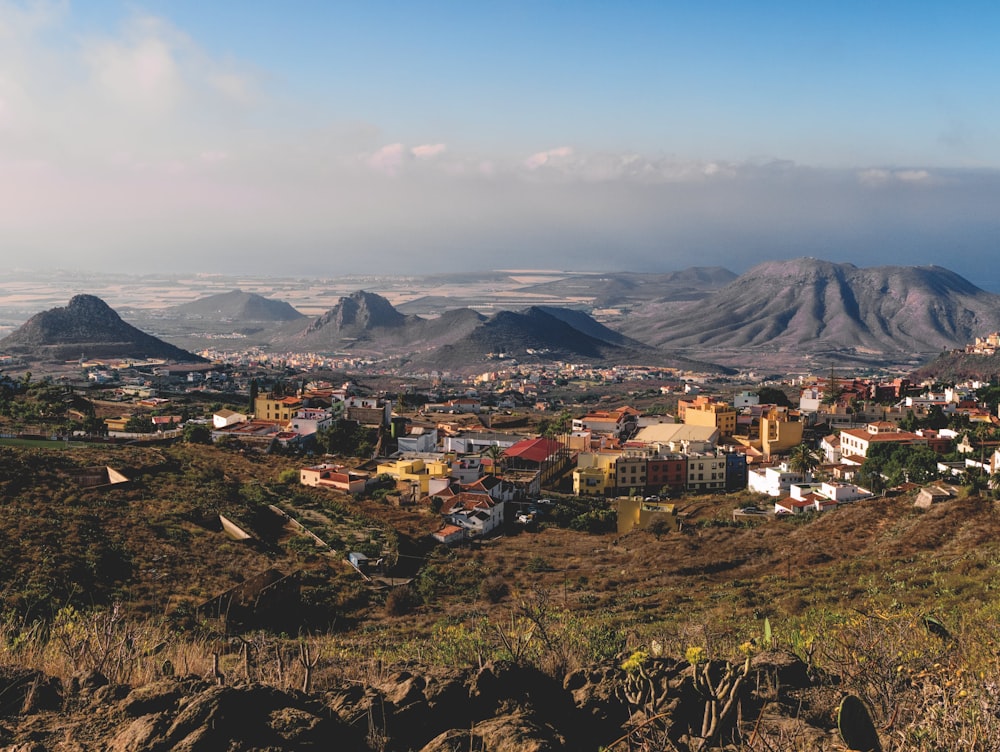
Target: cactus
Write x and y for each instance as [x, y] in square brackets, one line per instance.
[856, 726]
[721, 697]
[768, 640]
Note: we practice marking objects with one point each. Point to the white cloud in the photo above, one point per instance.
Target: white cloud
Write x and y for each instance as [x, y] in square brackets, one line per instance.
[142, 74]
[426, 151]
[388, 159]
[877, 176]
[546, 157]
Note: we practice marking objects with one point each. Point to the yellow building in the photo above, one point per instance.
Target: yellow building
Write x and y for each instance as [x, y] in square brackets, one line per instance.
[703, 411]
[635, 513]
[590, 481]
[269, 407]
[596, 471]
[416, 471]
[778, 434]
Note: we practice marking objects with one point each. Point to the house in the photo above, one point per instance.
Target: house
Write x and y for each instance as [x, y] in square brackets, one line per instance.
[637, 513]
[252, 432]
[855, 442]
[590, 481]
[830, 446]
[418, 473]
[467, 469]
[931, 495]
[477, 513]
[418, 439]
[705, 411]
[706, 471]
[449, 535]
[308, 421]
[533, 462]
[612, 423]
[793, 505]
[224, 418]
[774, 481]
[368, 411]
[335, 476]
[677, 437]
[270, 407]
[842, 493]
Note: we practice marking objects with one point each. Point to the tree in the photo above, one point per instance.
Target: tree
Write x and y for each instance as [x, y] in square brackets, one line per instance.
[833, 390]
[769, 395]
[197, 433]
[495, 453]
[254, 391]
[802, 459]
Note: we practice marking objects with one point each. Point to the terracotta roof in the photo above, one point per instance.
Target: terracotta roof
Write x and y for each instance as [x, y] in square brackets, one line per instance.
[533, 450]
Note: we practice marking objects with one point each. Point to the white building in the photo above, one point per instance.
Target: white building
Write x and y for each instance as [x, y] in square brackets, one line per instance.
[225, 418]
[775, 481]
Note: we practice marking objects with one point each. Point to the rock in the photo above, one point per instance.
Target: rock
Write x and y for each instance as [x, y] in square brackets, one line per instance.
[27, 691]
[140, 735]
[506, 733]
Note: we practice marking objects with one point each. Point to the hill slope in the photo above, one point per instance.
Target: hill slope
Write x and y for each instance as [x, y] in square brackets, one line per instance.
[816, 306]
[238, 306]
[87, 326]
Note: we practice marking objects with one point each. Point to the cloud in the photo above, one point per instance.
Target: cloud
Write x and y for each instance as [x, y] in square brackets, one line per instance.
[426, 151]
[143, 74]
[545, 157]
[878, 176]
[387, 160]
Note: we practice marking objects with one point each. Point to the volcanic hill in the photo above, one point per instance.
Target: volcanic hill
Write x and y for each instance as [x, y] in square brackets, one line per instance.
[238, 305]
[87, 327]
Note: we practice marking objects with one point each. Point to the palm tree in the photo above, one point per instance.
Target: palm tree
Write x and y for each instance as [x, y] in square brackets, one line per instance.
[495, 453]
[802, 459]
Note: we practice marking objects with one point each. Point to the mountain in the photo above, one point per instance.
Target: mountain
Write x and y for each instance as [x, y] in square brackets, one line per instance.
[544, 334]
[238, 306]
[87, 326]
[811, 306]
[462, 339]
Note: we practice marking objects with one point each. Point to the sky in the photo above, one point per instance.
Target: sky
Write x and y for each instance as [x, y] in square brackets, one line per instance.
[323, 137]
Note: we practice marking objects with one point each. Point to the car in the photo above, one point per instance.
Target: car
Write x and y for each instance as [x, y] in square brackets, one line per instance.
[751, 510]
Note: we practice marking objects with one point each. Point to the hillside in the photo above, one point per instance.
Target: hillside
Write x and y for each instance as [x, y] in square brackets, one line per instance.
[87, 327]
[817, 307]
[555, 610]
[237, 305]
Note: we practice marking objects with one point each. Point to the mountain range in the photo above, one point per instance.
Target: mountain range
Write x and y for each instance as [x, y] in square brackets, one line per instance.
[780, 312]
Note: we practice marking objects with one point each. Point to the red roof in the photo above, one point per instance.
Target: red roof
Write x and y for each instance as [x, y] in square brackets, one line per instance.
[533, 450]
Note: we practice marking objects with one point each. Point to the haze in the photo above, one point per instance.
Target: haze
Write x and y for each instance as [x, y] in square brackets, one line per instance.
[328, 138]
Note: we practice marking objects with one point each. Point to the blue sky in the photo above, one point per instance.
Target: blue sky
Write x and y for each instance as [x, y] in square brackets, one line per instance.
[304, 137]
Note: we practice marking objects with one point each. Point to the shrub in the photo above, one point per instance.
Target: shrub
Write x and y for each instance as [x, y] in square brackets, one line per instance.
[400, 601]
[494, 588]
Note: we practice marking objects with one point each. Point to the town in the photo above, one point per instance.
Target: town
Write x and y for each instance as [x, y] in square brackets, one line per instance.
[483, 450]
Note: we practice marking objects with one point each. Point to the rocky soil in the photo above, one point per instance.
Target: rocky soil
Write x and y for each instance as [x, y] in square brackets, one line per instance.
[501, 707]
